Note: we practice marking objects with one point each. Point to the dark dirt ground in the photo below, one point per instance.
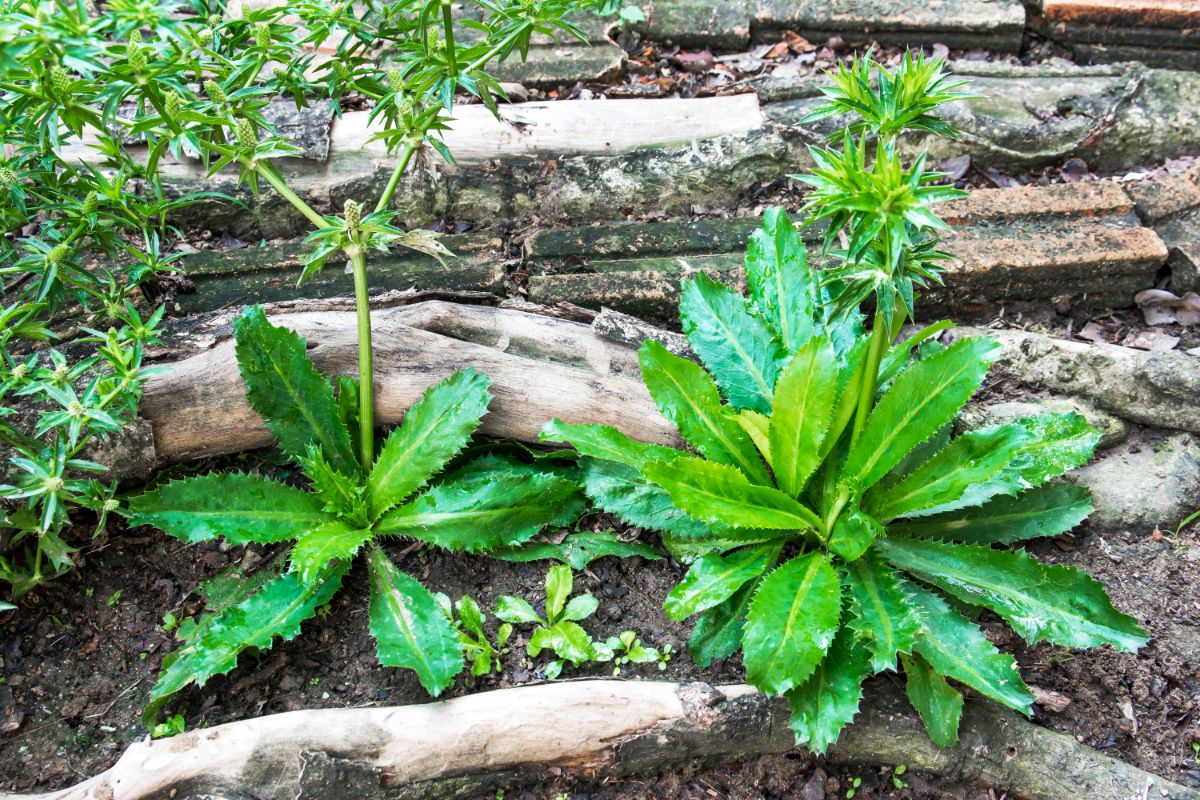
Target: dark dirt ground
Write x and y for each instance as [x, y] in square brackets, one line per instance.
[79, 659]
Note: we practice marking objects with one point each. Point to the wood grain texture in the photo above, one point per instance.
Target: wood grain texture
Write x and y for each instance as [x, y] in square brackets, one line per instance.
[466, 746]
[539, 367]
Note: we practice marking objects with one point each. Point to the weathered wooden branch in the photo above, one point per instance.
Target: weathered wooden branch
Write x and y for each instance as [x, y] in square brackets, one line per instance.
[539, 367]
[591, 728]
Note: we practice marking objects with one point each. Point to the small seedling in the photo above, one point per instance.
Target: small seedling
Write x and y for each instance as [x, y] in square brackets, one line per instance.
[627, 649]
[853, 790]
[169, 727]
[169, 623]
[559, 631]
[896, 773]
[1196, 752]
[468, 619]
[113, 599]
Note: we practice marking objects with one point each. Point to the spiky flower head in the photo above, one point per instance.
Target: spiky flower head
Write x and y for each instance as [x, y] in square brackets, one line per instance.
[53, 485]
[111, 505]
[58, 254]
[215, 92]
[247, 138]
[60, 79]
[20, 371]
[262, 35]
[395, 80]
[133, 51]
[7, 177]
[90, 201]
[172, 105]
[353, 214]
[75, 410]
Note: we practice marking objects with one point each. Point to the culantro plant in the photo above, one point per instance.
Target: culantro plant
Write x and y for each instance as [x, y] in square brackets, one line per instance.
[834, 526]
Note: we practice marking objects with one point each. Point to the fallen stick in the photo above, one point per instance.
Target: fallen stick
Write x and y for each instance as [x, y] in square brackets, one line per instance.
[539, 367]
[591, 728]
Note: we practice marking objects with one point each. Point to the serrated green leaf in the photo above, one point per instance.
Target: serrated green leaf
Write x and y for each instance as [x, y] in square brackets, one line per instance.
[757, 426]
[347, 407]
[340, 493]
[286, 390]
[779, 279]
[605, 442]
[1057, 443]
[622, 491]
[432, 432]
[410, 629]
[881, 612]
[801, 415]
[938, 703]
[717, 634]
[577, 550]
[1048, 510]
[559, 582]
[849, 379]
[1042, 602]
[571, 642]
[828, 700]
[736, 347]
[688, 398]
[957, 649]
[791, 623]
[333, 541]
[275, 611]
[237, 507]
[713, 579]
[959, 475]
[921, 400]
[485, 510]
[580, 607]
[716, 493]
[515, 610]
[853, 534]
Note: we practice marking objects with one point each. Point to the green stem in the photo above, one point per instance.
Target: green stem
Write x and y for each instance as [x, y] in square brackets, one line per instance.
[870, 380]
[401, 166]
[366, 381]
[448, 27]
[272, 177]
[490, 54]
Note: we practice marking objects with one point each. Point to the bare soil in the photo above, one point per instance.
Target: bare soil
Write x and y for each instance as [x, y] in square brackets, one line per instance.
[81, 654]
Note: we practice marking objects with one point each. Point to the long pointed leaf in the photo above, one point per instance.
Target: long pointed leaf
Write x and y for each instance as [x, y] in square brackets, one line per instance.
[1042, 602]
[921, 400]
[960, 474]
[1048, 510]
[717, 634]
[237, 507]
[791, 623]
[605, 442]
[713, 579]
[333, 541]
[716, 493]
[802, 413]
[937, 702]
[409, 627]
[497, 508]
[688, 398]
[882, 612]
[780, 281]
[828, 700]
[735, 346]
[958, 649]
[275, 611]
[433, 431]
[285, 388]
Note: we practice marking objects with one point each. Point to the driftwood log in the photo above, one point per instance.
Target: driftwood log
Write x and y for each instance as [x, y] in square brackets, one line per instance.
[593, 728]
[540, 367]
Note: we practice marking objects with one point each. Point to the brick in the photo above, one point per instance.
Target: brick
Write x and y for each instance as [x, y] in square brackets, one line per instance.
[1024, 243]
[1164, 33]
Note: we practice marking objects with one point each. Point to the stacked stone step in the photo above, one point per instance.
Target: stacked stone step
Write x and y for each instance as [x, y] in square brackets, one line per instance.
[1023, 243]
